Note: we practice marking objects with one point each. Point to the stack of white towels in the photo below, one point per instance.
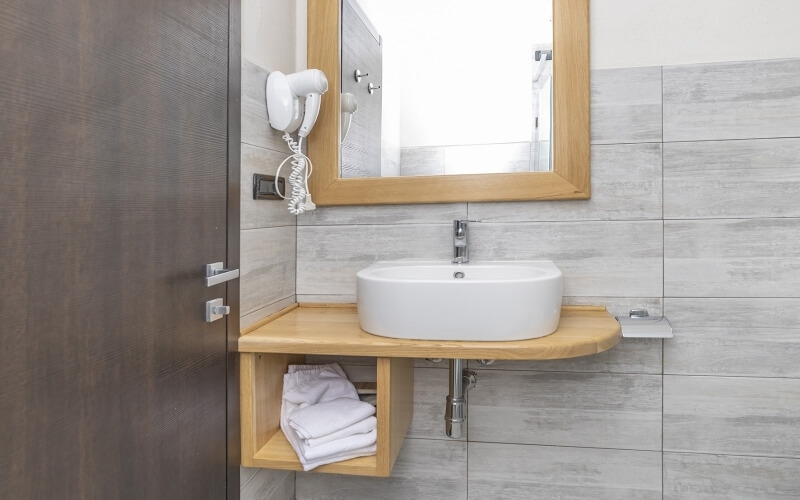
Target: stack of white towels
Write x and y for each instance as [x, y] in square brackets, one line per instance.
[323, 418]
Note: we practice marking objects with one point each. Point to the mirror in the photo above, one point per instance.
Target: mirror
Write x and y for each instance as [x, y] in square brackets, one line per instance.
[403, 123]
[446, 87]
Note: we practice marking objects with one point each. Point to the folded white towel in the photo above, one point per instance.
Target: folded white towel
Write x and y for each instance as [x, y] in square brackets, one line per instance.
[363, 452]
[312, 386]
[344, 445]
[307, 385]
[321, 419]
[366, 425]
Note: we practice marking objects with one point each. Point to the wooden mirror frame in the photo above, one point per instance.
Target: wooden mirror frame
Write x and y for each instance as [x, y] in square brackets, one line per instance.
[569, 179]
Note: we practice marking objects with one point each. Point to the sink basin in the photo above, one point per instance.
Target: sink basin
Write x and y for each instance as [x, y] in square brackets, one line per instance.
[483, 301]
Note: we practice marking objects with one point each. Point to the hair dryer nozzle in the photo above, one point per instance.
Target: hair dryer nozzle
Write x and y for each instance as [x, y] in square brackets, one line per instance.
[310, 81]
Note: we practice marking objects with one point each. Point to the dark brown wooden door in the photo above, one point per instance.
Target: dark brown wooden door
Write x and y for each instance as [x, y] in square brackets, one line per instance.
[113, 195]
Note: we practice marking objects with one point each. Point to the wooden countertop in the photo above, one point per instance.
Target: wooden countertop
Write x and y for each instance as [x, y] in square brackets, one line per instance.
[333, 329]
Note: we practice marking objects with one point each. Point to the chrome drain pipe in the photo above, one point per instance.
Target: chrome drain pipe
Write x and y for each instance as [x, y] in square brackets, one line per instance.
[455, 413]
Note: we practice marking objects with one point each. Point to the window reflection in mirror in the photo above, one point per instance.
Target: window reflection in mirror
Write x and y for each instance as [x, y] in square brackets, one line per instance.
[443, 87]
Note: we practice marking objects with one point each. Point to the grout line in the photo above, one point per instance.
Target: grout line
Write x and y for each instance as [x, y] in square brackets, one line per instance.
[782, 457]
[553, 221]
[265, 227]
[259, 146]
[663, 276]
[601, 144]
[744, 218]
[733, 139]
[749, 377]
[709, 453]
[715, 297]
[563, 446]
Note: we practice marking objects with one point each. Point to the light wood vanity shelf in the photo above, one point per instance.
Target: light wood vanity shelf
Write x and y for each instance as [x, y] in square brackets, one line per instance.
[333, 329]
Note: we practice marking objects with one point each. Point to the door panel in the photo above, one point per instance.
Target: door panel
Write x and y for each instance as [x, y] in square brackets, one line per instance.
[113, 198]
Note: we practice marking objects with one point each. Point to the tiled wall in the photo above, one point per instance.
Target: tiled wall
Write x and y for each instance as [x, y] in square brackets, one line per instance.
[695, 211]
[268, 246]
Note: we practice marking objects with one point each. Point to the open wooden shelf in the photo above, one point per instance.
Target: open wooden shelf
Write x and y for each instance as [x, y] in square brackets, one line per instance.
[334, 329]
[277, 453]
[263, 442]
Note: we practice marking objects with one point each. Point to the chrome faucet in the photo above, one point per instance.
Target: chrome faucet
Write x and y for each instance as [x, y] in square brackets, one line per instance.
[460, 242]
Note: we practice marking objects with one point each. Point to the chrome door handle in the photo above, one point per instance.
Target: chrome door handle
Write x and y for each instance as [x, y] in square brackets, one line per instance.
[216, 274]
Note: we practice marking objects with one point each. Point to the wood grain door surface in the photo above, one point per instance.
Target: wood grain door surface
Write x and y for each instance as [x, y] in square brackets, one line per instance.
[113, 150]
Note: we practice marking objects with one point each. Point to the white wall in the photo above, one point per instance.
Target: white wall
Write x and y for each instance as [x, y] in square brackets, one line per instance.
[274, 34]
[633, 33]
[628, 33]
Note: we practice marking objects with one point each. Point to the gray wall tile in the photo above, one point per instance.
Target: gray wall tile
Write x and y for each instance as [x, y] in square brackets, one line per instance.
[267, 266]
[732, 415]
[732, 258]
[742, 100]
[736, 337]
[255, 126]
[597, 258]
[266, 484]
[626, 105]
[246, 474]
[255, 316]
[738, 179]
[626, 185]
[262, 213]
[542, 472]
[711, 477]
[328, 257]
[384, 214]
[425, 470]
[566, 409]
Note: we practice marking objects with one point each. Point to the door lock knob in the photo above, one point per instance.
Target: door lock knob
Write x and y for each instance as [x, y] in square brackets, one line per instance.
[215, 309]
[221, 310]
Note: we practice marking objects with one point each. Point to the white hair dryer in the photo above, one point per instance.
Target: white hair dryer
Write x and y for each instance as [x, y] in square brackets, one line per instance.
[285, 113]
[283, 99]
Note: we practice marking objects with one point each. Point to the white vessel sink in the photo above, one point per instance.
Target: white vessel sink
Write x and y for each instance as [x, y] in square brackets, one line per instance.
[487, 301]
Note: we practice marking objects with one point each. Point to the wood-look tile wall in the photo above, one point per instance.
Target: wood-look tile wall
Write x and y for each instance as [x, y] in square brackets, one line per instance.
[268, 254]
[695, 212]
